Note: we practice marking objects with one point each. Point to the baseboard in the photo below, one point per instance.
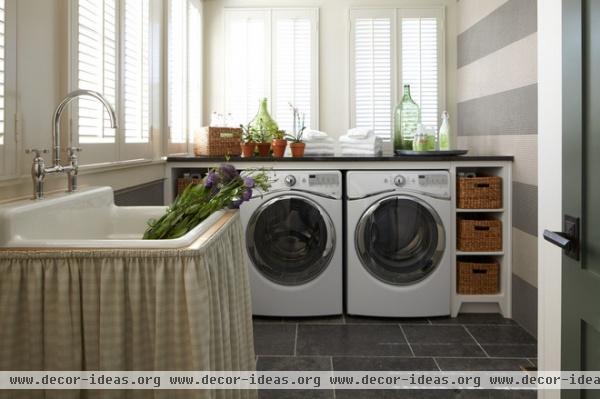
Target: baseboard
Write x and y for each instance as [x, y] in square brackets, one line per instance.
[525, 304]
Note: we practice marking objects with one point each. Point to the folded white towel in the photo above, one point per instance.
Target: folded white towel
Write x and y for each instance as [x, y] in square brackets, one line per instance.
[319, 152]
[355, 151]
[350, 140]
[315, 135]
[366, 146]
[360, 133]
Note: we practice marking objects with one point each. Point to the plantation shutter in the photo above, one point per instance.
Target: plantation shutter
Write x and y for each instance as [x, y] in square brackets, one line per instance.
[2, 72]
[294, 61]
[96, 67]
[194, 66]
[185, 71]
[420, 65]
[177, 72]
[136, 71]
[372, 74]
[246, 51]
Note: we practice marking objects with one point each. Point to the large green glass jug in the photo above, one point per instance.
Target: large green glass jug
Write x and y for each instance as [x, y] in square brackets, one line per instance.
[407, 116]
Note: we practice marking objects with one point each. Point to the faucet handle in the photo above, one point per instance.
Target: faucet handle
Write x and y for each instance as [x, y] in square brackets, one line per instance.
[36, 151]
[73, 150]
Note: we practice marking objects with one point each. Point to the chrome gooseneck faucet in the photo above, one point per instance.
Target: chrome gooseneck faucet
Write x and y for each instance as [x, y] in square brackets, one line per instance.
[39, 169]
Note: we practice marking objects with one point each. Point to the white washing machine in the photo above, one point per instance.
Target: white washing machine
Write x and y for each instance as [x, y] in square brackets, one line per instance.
[399, 258]
[294, 245]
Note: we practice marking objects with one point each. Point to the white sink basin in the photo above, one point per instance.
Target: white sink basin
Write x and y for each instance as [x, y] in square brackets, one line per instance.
[85, 219]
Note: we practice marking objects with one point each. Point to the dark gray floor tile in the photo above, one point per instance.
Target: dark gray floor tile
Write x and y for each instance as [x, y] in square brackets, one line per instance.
[385, 320]
[495, 394]
[339, 319]
[478, 364]
[383, 364]
[473, 318]
[534, 362]
[447, 350]
[266, 319]
[511, 350]
[293, 363]
[296, 394]
[348, 340]
[428, 334]
[274, 339]
[501, 335]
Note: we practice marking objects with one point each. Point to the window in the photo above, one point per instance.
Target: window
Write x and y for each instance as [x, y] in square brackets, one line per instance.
[272, 53]
[390, 48]
[184, 107]
[112, 53]
[8, 142]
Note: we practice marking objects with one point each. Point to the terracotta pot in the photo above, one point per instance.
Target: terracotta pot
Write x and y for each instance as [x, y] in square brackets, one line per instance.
[297, 149]
[279, 146]
[263, 149]
[248, 149]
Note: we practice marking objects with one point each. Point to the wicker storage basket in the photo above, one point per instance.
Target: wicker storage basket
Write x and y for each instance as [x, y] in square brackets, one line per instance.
[216, 141]
[183, 182]
[478, 277]
[479, 234]
[483, 192]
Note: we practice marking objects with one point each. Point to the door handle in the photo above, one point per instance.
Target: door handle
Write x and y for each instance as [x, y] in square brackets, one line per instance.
[557, 238]
[568, 240]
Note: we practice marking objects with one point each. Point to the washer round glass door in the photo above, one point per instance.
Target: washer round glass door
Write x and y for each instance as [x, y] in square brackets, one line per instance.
[400, 239]
[290, 239]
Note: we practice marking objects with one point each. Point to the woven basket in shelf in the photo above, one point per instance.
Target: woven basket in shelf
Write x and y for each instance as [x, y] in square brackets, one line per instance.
[478, 277]
[479, 235]
[183, 182]
[483, 192]
[217, 141]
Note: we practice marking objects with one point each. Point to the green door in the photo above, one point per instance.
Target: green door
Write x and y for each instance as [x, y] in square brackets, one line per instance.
[581, 190]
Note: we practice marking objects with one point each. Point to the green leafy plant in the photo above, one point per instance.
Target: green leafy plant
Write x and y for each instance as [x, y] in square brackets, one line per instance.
[298, 117]
[247, 134]
[261, 136]
[279, 135]
[223, 187]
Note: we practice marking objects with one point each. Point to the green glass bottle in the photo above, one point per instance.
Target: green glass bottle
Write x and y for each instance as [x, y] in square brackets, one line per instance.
[407, 116]
[263, 122]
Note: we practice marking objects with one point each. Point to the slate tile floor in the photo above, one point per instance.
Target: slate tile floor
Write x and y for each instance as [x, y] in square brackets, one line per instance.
[468, 342]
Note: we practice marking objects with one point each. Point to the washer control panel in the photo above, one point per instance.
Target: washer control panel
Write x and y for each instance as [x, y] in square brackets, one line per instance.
[327, 183]
[433, 182]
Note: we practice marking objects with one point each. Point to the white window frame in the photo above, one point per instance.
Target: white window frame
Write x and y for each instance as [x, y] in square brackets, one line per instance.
[185, 147]
[10, 151]
[270, 16]
[395, 15]
[119, 150]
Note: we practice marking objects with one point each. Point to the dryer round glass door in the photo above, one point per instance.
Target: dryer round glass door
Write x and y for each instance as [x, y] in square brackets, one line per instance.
[290, 239]
[400, 240]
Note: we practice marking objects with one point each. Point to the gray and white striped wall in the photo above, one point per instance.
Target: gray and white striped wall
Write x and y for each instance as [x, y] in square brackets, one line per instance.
[497, 114]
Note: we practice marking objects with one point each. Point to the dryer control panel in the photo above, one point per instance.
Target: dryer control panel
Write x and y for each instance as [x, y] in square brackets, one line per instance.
[327, 183]
[435, 183]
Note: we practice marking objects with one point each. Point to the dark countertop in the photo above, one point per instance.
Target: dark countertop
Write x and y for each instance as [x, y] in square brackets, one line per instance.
[394, 158]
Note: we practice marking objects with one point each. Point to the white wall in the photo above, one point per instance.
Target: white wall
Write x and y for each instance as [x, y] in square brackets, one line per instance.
[42, 27]
[334, 111]
[550, 177]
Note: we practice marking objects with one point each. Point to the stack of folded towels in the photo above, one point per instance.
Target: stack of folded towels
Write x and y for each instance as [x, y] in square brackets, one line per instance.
[361, 141]
[318, 143]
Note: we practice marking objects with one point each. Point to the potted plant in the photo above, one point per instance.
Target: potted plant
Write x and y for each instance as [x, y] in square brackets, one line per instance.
[296, 144]
[262, 137]
[279, 144]
[247, 141]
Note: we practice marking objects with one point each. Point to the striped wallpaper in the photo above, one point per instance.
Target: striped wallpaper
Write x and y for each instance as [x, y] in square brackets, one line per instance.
[497, 114]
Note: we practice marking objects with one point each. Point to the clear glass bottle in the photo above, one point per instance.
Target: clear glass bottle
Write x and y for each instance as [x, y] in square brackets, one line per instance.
[407, 116]
[444, 135]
